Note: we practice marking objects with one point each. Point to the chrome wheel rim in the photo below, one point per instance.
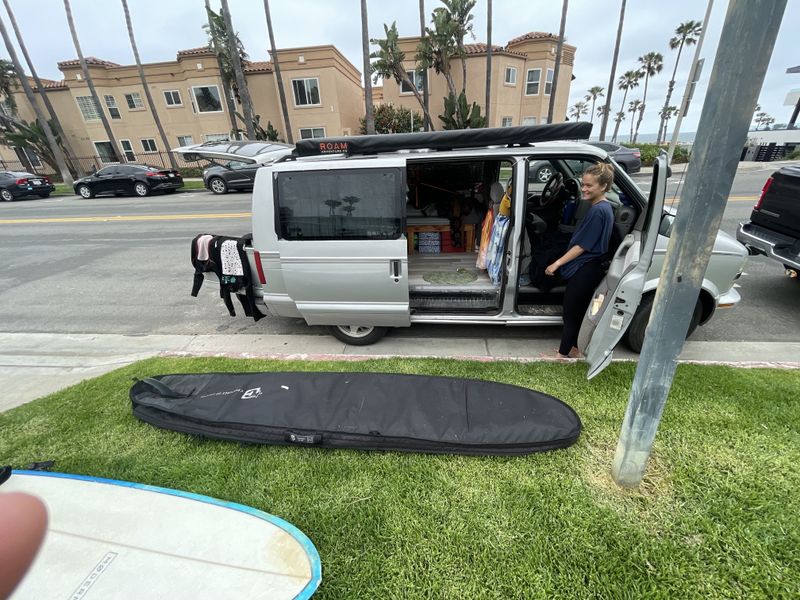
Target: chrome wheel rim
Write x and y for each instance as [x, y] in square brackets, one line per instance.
[355, 331]
[84, 191]
[544, 174]
[218, 186]
[140, 189]
[6, 195]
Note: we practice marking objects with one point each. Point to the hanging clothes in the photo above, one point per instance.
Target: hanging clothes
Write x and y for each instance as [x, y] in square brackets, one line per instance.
[486, 234]
[496, 252]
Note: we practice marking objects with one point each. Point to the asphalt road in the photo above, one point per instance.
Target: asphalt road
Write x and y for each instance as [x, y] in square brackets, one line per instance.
[121, 265]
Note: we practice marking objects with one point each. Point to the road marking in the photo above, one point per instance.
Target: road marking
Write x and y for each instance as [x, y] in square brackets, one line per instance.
[121, 218]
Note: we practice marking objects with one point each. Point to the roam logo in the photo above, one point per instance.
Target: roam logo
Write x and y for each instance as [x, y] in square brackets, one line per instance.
[251, 393]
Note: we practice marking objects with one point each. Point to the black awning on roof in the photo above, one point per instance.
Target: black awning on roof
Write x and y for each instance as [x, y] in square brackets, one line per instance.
[444, 140]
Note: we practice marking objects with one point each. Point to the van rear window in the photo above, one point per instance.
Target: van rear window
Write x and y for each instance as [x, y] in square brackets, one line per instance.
[340, 205]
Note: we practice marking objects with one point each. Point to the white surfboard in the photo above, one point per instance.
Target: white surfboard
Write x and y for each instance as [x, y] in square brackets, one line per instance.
[117, 539]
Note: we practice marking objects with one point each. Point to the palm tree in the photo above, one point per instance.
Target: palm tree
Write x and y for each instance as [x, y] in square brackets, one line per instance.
[652, 63]
[461, 17]
[578, 109]
[601, 111]
[370, 114]
[626, 82]
[666, 114]
[389, 64]
[59, 130]
[559, 48]
[686, 34]
[247, 104]
[26, 86]
[87, 76]
[633, 107]
[488, 59]
[147, 93]
[217, 34]
[276, 66]
[618, 118]
[594, 93]
[438, 46]
[425, 93]
[613, 74]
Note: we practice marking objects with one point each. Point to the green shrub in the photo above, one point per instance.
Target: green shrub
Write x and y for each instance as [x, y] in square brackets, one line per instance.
[650, 152]
[793, 155]
[191, 171]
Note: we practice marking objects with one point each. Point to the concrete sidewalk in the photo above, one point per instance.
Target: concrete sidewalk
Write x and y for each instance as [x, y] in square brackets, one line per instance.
[36, 364]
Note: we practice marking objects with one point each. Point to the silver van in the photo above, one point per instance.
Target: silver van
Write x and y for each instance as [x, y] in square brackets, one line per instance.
[367, 233]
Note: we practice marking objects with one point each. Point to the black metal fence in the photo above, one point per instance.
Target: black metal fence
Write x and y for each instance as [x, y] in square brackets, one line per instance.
[86, 165]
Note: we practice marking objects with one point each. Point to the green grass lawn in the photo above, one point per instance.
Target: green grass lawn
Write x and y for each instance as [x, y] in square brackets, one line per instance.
[63, 189]
[718, 515]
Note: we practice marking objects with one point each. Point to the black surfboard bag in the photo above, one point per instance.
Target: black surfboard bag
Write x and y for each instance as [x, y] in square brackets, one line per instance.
[371, 411]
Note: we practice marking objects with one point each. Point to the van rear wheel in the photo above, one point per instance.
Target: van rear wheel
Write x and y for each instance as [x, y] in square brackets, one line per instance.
[358, 335]
[634, 337]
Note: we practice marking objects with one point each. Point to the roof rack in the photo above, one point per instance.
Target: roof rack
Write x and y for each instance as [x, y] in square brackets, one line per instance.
[444, 140]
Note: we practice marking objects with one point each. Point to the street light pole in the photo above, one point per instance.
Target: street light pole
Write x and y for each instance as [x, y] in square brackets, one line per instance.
[745, 48]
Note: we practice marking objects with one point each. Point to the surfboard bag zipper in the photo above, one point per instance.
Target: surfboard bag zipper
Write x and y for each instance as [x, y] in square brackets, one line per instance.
[370, 411]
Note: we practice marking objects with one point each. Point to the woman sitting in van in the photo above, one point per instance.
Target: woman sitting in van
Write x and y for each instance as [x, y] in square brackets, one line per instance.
[581, 265]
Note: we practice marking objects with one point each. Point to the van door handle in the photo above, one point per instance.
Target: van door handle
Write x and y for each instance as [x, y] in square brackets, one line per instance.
[394, 269]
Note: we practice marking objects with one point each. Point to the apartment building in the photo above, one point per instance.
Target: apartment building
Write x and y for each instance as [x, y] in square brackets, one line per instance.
[522, 80]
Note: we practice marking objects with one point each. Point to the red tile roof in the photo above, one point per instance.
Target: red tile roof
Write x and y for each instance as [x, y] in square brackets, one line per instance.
[533, 35]
[480, 48]
[201, 51]
[258, 66]
[90, 60]
[47, 84]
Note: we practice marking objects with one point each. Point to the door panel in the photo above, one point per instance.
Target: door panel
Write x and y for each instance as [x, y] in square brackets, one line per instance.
[617, 297]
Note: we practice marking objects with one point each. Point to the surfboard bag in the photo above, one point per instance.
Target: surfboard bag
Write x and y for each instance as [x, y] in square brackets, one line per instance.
[371, 411]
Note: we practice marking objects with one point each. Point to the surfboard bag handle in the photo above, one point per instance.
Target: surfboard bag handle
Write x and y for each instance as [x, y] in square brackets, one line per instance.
[163, 389]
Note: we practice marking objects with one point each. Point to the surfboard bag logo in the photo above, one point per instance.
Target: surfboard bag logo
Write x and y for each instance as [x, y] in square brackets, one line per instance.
[371, 411]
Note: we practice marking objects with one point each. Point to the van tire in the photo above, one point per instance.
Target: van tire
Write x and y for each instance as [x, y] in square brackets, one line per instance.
[634, 337]
[356, 335]
[217, 185]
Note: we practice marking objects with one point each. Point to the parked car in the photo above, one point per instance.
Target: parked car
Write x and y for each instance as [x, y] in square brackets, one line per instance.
[630, 159]
[348, 240]
[238, 174]
[18, 184]
[128, 179]
[774, 226]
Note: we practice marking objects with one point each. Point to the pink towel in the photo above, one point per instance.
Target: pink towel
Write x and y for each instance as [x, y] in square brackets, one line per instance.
[202, 246]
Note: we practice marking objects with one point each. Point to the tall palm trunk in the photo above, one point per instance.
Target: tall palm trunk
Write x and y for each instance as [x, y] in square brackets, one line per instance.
[559, 48]
[370, 113]
[641, 110]
[226, 84]
[54, 120]
[425, 93]
[613, 75]
[244, 93]
[488, 59]
[621, 109]
[87, 76]
[147, 94]
[276, 65]
[662, 127]
[26, 86]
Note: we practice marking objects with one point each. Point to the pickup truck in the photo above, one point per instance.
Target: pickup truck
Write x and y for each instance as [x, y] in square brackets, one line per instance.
[774, 226]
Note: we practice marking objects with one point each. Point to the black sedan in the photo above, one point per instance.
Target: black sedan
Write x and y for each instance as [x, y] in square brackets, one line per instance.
[137, 180]
[231, 176]
[630, 159]
[17, 184]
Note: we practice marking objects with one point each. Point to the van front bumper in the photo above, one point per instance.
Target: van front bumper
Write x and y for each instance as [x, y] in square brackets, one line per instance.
[759, 240]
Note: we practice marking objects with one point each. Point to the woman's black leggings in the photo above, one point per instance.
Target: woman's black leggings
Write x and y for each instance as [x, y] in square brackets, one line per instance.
[580, 288]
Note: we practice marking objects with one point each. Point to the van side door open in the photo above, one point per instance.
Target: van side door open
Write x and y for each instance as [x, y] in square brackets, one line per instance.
[617, 297]
[356, 270]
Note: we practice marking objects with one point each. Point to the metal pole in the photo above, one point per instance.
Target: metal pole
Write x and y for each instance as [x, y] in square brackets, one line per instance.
[559, 50]
[676, 132]
[744, 51]
[613, 73]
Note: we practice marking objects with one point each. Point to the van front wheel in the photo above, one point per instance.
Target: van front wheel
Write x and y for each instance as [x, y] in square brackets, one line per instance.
[358, 335]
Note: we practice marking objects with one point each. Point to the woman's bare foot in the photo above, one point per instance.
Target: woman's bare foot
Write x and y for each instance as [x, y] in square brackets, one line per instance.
[574, 353]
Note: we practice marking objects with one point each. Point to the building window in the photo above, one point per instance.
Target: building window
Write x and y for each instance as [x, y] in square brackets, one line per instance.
[127, 148]
[113, 109]
[172, 98]
[507, 122]
[548, 84]
[207, 98]
[149, 145]
[529, 120]
[307, 133]
[532, 82]
[88, 108]
[511, 76]
[185, 140]
[134, 100]
[306, 91]
[24, 154]
[216, 137]
[105, 151]
[415, 78]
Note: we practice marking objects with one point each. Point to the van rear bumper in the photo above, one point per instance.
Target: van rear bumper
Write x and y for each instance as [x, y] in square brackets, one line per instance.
[759, 240]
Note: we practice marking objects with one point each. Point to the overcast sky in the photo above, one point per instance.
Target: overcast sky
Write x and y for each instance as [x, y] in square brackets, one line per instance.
[165, 26]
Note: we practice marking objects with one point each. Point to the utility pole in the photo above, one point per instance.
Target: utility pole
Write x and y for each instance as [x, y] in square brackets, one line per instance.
[745, 47]
[694, 74]
[559, 50]
[610, 88]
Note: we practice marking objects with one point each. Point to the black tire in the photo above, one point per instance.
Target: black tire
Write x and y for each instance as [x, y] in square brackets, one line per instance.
[47, 195]
[141, 189]
[634, 337]
[217, 185]
[6, 196]
[358, 335]
[84, 191]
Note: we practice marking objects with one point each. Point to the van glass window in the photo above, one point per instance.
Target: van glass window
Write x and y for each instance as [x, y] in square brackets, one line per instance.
[340, 205]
